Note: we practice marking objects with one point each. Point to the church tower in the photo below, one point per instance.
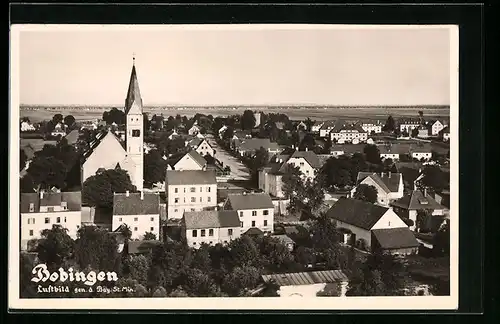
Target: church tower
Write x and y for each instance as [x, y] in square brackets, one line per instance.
[135, 129]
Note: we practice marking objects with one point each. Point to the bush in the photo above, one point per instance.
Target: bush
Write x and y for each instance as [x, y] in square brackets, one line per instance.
[362, 244]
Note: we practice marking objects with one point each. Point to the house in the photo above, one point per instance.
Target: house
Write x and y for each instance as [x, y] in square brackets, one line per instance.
[421, 152]
[194, 130]
[59, 130]
[251, 145]
[408, 125]
[389, 185]
[415, 201]
[285, 240]
[307, 162]
[423, 132]
[436, 127]
[308, 284]
[302, 126]
[203, 147]
[391, 151]
[255, 210]
[360, 218]
[72, 137]
[39, 211]
[221, 131]
[191, 190]
[372, 127]
[258, 118]
[271, 179]
[348, 133]
[325, 129]
[315, 128]
[140, 211]
[445, 133]
[27, 127]
[210, 227]
[192, 160]
[173, 134]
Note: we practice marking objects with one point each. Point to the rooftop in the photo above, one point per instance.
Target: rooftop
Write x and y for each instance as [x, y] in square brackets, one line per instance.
[211, 219]
[309, 156]
[355, 212]
[389, 181]
[395, 238]
[415, 200]
[51, 199]
[136, 247]
[134, 205]
[190, 177]
[250, 201]
[306, 278]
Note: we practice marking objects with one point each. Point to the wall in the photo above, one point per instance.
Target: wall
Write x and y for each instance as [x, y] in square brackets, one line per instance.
[71, 220]
[247, 218]
[220, 235]
[138, 224]
[349, 136]
[135, 145]
[187, 163]
[204, 148]
[306, 169]
[276, 185]
[106, 155]
[359, 232]
[393, 156]
[280, 206]
[184, 194]
[382, 197]
[389, 220]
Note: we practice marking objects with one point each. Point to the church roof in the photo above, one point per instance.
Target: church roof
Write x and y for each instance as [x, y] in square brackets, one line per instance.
[133, 94]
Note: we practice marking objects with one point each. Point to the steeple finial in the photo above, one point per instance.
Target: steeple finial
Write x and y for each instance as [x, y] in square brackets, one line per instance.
[133, 58]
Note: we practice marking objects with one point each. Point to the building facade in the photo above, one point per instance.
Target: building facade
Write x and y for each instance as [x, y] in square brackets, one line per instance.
[255, 210]
[210, 227]
[372, 127]
[348, 134]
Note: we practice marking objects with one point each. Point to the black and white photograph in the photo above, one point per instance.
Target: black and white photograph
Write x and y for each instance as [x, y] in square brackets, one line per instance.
[290, 166]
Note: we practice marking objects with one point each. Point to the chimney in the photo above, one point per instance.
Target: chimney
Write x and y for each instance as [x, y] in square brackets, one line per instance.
[142, 195]
[293, 146]
[389, 174]
[127, 193]
[306, 149]
[281, 161]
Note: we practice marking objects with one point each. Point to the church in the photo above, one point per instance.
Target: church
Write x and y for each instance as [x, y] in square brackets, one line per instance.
[107, 150]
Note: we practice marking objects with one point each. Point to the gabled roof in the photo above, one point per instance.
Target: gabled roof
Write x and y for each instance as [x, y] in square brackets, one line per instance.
[253, 144]
[195, 142]
[136, 247]
[134, 205]
[190, 177]
[73, 200]
[195, 156]
[328, 124]
[305, 278]
[133, 93]
[352, 127]
[415, 200]
[395, 238]
[254, 231]
[309, 156]
[389, 181]
[446, 130]
[211, 219]
[250, 201]
[99, 138]
[355, 212]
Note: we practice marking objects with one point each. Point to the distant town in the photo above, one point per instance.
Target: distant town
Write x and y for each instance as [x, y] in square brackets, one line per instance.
[252, 201]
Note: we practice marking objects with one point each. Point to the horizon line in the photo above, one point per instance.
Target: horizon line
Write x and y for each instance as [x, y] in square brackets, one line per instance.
[237, 105]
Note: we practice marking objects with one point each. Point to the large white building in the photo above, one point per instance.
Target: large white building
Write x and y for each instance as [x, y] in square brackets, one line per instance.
[255, 210]
[348, 134]
[436, 127]
[372, 127]
[408, 125]
[210, 227]
[389, 185]
[107, 151]
[39, 211]
[190, 190]
[140, 211]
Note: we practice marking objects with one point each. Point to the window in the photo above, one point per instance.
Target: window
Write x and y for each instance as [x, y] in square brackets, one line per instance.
[208, 189]
[202, 233]
[184, 190]
[29, 219]
[201, 189]
[241, 214]
[135, 229]
[254, 213]
[209, 199]
[253, 223]
[50, 209]
[201, 199]
[389, 224]
[211, 232]
[301, 164]
[265, 212]
[176, 200]
[64, 205]
[65, 219]
[241, 224]
[152, 219]
[230, 231]
[192, 209]
[151, 229]
[192, 189]
[195, 233]
[58, 219]
[184, 199]
[265, 222]
[193, 199]
[120, 219]
[136, 219]
[31, 232]
[77, 226]
[136, 133]
[32, 207]
[176, 190]
[225, 242]
[47, 220]
[176, 210]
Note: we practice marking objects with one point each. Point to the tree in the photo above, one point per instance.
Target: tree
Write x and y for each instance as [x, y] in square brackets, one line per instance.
[372, 154]
[199, 284]
[138, 268]
[240, 279]
[366, 193]
[179, 292]
[309, 123]
[55, 247]
[47, 172]
[58, 118]
[307, 142]
[201, 258]
[405, 133]
[275, 255]
[324, 234]
[22, 159]
[414, 132]
[421, 116]
[390, 125]
[149, 236]
[243, 252]
[160, 292]
[305, 255]
[154, 167]
[98, 190]
[434, 178]
[340, 172]
[248, 120]
[114, 116]
[69, 120]
[228, 134]
[26, 184]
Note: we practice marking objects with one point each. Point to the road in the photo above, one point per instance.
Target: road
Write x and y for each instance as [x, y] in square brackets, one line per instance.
[238, 170]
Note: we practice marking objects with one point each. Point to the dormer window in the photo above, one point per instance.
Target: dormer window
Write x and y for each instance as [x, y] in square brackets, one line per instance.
[64, 205]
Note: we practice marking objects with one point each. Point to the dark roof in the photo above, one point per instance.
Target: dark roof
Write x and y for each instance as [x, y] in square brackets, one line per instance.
[134, 205]
[197, 158]
[348, 148]
[359, 213]
[211, 219]
[446, 130]
[72, 136]
[250, 201]
[305, 278]
[415, 200]
[340, 127]
[389, 181]
[395, 238]
[328, 124]
[283, 238]
[190, 177]
[72, 199]
[133, 93]
[254, 231]
[136, 247]
[195, 142]
[309, 156]
[253, 144]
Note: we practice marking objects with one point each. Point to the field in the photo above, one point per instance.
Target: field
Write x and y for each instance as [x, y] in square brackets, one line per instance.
[315, 113]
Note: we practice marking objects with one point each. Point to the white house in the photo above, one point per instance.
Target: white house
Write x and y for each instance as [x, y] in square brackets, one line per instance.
[436, 127]
[194, 130]
[389, 152]
[316, 127]
[325, 129]
[39, 211]
[389, 185]
[372, 127]
[307, 162]
[446, 134]
[420, 153]
[222, 130]
[373, 226]
[348, 134]
[140, 211]
[210, 227]
[59, 130]
[255, 210]
[27, 127]
[191, 190]
[301, 126]
[202, 146]
[251, 145]
[192, 160]
[408, 125]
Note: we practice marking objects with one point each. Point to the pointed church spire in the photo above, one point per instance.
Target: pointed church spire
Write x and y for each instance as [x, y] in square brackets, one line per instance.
[133, 94]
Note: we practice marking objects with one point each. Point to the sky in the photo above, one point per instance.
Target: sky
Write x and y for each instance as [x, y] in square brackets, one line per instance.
[209, 66]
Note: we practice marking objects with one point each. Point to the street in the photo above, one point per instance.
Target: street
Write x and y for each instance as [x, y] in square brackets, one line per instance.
[238, 170]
